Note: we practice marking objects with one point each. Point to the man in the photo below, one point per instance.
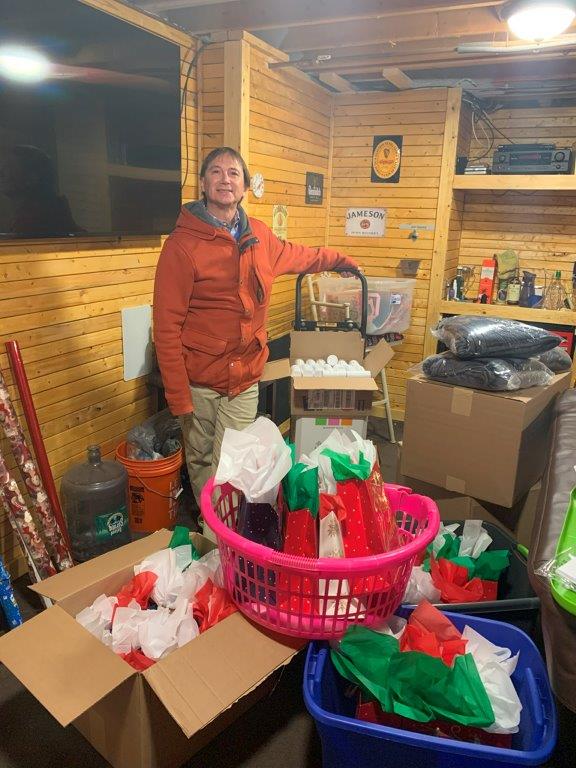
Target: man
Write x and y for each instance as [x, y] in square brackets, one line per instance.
[211, 297]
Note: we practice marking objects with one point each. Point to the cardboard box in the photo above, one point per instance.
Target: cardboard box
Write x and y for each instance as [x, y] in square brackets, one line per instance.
[308, 432]
[486, 445]
[346, 396]
[517, 520]
[152, 719]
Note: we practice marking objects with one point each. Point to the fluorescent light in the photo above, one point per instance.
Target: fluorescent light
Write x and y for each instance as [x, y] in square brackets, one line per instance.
[23, 64]
[539, 19]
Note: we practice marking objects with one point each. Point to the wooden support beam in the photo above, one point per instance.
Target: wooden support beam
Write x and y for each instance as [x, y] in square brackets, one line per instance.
[335, 81]
[443, 214]
[160, 6]
[397, 78]
[425, 26]
[139, 17]
[256, 15]
[237, 96]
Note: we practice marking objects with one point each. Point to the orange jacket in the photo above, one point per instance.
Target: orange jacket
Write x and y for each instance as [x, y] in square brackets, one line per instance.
[211, 298]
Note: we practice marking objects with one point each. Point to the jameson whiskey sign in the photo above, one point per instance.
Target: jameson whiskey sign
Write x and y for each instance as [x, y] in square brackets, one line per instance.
[314, 188]
[365, 222]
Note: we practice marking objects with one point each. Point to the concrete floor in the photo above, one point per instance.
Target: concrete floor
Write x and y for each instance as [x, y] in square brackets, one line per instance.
[276, 732]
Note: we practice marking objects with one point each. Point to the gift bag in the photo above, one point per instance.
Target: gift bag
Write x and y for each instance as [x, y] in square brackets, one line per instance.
[351, 487]
[254, 460]
[300, 491]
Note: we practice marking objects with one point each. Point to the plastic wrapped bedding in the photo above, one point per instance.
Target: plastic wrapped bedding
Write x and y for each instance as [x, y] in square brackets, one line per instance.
[468, 337]
[557, 360]
[491, 374]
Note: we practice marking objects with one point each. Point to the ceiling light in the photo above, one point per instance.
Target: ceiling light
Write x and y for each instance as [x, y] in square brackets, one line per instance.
[23, 64]
[538, 19]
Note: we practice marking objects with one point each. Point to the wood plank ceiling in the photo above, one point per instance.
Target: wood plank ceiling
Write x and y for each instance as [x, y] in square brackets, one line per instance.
[393, 44]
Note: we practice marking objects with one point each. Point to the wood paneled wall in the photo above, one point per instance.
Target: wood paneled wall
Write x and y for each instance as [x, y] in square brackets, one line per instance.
[418, 116]
[539, 226]
[61, 301]
[289, 134]
[211, 98]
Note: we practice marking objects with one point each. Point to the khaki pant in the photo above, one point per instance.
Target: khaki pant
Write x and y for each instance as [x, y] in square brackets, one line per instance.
[203, 430]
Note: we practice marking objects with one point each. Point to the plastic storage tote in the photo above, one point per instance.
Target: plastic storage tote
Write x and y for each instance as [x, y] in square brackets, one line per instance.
[389, 302]
[317, 598]
[351, 743]
[517, 602]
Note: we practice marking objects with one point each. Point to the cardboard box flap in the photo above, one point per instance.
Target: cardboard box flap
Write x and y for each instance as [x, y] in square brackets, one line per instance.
[378, 357]
[67, 583]
[202, 679]
[62, 664]
[527, 403]
[276, 369]
[352, 383]
[347, 345]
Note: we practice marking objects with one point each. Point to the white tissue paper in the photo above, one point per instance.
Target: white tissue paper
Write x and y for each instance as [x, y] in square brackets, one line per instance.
[475, 539]
[254, 461]
[495, 666]
[164, 630]
[349, 444]
[98, 617]
[439, 541]
[420, 587]
[125, 627]
[170, 579]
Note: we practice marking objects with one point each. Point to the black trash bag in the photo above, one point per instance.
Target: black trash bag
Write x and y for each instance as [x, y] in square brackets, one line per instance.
[468, 336]
[558, 360]
[491, 374]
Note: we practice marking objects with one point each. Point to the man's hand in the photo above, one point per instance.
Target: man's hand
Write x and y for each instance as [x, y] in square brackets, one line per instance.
[352, 274]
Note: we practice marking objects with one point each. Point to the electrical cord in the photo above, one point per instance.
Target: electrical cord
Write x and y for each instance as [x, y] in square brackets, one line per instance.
[184, 102]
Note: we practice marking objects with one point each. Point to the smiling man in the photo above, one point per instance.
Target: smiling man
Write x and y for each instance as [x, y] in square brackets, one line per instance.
[211, 296]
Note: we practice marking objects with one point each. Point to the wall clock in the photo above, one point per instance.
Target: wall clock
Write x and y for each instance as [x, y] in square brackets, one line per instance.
[257, 185]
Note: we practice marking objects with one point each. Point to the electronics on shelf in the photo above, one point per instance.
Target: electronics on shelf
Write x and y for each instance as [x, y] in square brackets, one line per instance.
[533, 158]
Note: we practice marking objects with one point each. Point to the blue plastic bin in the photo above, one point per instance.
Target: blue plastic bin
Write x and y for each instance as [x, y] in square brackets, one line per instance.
[351, 743]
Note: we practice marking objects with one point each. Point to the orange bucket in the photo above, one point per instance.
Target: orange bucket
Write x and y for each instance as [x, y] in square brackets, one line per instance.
[153, 490]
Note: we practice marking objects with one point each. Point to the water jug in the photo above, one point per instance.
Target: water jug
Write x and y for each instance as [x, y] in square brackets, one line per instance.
[94, 499]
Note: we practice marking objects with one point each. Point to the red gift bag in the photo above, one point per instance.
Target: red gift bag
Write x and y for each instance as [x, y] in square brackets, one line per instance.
[301, 539]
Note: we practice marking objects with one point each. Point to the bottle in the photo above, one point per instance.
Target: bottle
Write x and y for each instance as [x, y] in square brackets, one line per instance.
[513, 291]
[555, 295]
[528, 291]
[458, 285]
[94, 498]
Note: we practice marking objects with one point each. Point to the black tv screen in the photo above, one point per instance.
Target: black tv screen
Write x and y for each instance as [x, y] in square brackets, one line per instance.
[89, 123]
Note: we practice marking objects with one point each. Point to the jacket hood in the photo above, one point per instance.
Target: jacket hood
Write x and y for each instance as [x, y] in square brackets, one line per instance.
[194, 217]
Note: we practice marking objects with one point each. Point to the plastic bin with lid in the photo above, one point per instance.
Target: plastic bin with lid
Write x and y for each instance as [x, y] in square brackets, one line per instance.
[389, 301]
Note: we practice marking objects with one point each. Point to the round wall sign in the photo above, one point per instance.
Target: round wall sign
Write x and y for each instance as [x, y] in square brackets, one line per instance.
[386, 159]
[257, 185]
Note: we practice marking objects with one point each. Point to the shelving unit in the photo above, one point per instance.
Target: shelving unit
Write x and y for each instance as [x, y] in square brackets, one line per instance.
[525, 314]
[532, 183]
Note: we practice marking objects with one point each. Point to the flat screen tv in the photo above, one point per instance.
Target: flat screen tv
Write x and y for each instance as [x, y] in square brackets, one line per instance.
[89, 124]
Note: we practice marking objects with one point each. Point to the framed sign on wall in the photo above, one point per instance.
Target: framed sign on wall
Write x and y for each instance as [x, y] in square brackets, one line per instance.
[386, 159]
[314, 188]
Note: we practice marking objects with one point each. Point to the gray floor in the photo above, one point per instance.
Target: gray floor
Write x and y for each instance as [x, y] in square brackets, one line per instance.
[276, 732]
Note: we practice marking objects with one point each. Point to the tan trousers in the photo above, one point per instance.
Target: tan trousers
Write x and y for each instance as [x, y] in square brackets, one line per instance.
[203, 430]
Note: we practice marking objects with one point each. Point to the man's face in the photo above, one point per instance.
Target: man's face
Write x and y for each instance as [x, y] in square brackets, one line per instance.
[223, 183]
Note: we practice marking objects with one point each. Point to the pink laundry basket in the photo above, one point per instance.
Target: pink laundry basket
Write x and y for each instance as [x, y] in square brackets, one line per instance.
[317, 598]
